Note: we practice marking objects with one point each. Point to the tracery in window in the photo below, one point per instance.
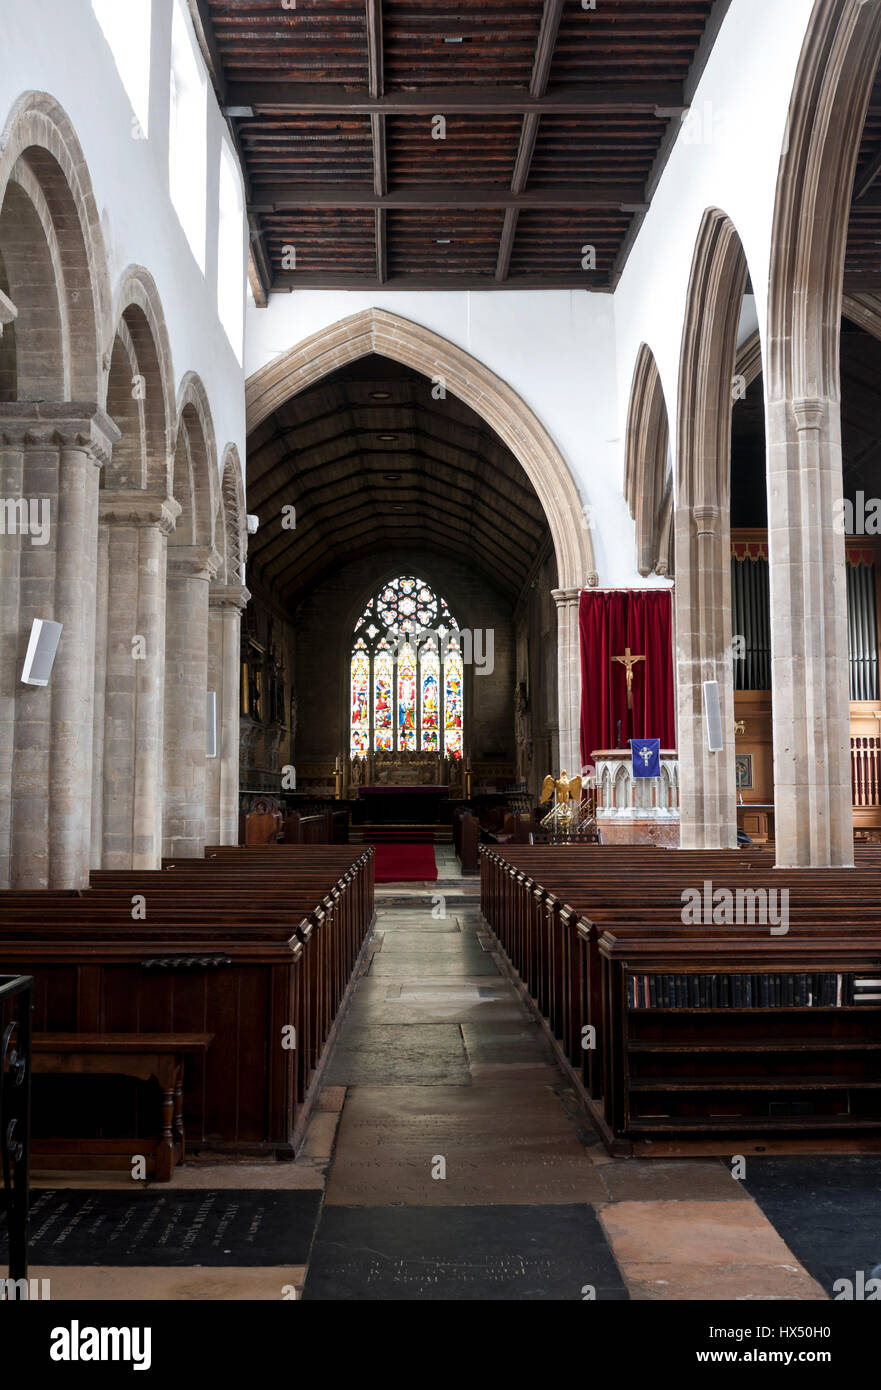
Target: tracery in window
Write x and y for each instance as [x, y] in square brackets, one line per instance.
[407, 674]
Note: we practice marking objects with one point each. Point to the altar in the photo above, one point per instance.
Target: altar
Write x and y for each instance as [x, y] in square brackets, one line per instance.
[407, 805]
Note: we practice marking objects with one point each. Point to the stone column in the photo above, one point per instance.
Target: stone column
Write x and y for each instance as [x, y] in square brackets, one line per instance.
[134, 527]
[809, 640]
[569, 678]
[703, 653]
[190, 571]
[45, 804]
[225, 605]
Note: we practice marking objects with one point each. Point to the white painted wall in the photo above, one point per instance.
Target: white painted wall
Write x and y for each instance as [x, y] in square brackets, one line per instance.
[745, 89]
[571, 354]
[57, 46]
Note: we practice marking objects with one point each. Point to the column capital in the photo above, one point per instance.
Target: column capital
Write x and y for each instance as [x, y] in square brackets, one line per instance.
[79, 425]
[564, 597]
[193, 561]
[809, 412]
[137, 508]
[706, 520]
[234, 596]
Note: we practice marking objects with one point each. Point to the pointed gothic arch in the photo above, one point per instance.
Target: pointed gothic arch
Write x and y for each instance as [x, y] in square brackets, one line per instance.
[389, 335]
[839, 60]
[647, 474]
[702, 527]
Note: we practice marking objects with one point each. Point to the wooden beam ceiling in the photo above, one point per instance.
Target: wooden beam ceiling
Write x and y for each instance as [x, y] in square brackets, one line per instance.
[417, 145]
[370, 460]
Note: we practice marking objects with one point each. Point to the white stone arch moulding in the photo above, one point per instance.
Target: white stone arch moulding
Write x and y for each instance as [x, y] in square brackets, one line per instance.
[202, 451]
[647, 488]
[231, 507]
[37, 121]
[137, 289]
[401, 340]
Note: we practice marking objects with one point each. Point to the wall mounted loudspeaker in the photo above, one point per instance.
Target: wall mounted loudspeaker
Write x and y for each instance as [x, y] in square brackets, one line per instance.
[211, 724]
[40, 656]
[713, 716]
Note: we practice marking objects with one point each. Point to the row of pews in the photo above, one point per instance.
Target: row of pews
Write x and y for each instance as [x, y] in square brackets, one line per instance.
[234, 966]
[701, 996]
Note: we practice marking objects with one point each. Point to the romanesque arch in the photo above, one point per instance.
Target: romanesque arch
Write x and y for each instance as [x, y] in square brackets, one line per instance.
[54, 439]
[136, 515]
[193, 563]
[806, 553]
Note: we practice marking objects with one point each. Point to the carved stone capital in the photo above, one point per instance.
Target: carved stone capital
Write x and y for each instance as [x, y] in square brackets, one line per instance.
[234, 596]
[73, 425]
[809, 412]
[136, 508]
[706, 521]
[564, 597]
[193, 562]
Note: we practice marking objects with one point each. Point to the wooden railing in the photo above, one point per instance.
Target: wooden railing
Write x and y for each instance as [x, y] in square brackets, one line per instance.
[865, 771]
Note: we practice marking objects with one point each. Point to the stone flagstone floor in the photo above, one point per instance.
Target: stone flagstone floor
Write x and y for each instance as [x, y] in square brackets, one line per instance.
[452, 1161]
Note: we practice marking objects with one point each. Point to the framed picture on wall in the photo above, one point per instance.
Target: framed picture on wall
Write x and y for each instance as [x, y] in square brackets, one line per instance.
[743, 765]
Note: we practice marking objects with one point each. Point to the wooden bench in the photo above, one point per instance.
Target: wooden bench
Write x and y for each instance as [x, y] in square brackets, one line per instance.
[556, 931]
[140, 1055]
[256, 939]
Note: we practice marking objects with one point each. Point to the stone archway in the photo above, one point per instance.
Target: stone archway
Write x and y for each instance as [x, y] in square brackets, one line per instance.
[703, 531]
[136, 515]
[388, 335]
[193, 564]
[54, 439]
[647, 484]
[806, 554]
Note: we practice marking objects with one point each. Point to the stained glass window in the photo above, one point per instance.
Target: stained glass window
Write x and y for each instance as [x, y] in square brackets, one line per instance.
[453, 701]
[360, 739]
[430, 710]
[407, 699]
[383, 699]
[407, 673]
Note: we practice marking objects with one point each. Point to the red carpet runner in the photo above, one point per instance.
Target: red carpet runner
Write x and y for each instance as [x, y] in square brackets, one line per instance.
[405, 864]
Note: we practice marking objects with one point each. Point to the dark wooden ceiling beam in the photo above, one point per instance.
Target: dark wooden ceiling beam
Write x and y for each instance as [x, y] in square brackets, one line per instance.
[541, 71]
[287, 281]
[447, 196]
[661, 99]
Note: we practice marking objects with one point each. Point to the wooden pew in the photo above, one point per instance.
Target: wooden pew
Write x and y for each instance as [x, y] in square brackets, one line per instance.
[551, 931]
[247, 941]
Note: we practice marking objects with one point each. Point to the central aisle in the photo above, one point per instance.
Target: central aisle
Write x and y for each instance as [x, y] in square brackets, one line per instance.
[461, 1169]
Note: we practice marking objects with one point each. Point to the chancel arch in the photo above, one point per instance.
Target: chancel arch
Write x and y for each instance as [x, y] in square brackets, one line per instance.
[375, 331]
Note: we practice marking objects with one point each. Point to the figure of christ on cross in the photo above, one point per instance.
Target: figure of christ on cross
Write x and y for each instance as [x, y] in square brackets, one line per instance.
[628, 661]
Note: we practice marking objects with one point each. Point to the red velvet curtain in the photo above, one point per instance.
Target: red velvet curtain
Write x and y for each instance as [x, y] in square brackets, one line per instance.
[610, 621]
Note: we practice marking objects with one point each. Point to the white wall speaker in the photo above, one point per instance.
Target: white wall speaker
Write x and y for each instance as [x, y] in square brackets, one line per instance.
[211, 724]
[40, 655]
[713, 716]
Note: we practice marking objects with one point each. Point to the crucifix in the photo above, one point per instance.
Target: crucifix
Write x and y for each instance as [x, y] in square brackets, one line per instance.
[628, 661]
